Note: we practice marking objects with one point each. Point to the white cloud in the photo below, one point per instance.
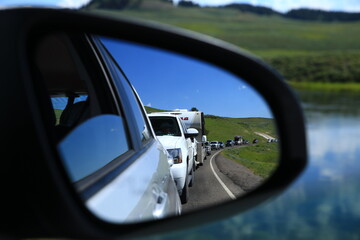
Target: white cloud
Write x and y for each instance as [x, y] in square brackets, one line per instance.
[286, 5]
[148, 105]
[331, 174]
[72, 3]
[242, 87]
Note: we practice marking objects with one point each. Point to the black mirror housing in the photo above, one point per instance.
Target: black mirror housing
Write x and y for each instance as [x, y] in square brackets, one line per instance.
[40, 200]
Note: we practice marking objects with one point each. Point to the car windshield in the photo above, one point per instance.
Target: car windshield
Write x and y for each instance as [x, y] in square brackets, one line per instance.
[165, 126]
[213, 142]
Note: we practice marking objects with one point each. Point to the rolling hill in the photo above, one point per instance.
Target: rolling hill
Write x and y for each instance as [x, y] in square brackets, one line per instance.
[302, 51]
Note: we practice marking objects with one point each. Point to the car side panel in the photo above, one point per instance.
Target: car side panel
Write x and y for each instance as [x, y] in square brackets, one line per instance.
[132, 195]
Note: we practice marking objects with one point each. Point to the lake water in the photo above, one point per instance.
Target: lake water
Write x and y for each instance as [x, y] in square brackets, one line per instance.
[323, 203]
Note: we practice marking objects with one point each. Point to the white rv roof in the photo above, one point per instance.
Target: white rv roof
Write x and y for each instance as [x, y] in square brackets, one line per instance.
[180, 110]
[162, 114]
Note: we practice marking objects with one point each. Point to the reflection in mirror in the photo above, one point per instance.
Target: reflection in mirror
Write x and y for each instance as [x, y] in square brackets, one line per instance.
[222, 107]
[204, 136]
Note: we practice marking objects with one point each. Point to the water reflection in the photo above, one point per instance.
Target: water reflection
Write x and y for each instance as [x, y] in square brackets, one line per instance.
[323, 202]
[317, 103]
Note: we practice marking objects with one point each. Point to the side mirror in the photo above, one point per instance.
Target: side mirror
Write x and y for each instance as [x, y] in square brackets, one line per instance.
[191, 133]
[60, 205]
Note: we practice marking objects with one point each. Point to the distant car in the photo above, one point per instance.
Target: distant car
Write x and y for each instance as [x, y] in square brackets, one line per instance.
[222, 145]
[207, 148]
[229, 143]
[255, 140]
[238, 140]
[246, 141]
[215, 145]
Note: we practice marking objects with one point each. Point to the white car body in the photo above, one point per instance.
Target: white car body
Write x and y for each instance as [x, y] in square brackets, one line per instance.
[194, 119]
[183, 171]
[215, 145]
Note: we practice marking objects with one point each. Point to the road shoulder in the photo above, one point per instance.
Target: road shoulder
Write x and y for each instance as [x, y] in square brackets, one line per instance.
[238, 174]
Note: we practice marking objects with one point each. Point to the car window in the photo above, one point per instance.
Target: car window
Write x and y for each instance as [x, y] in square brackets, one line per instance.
[93, 145]
[88, 131]
[165, 126]
[125, 87]
[142, 126]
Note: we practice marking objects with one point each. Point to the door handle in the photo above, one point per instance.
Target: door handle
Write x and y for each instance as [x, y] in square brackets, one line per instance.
[161, 199]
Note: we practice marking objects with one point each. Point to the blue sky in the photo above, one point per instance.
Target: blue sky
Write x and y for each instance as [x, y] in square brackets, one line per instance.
[279, 5]
[169, 81]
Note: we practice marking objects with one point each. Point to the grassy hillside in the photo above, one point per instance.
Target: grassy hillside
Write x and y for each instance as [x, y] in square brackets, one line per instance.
[261, 158]
[306, 51]
[222, 129]
[150, 110]
[267, 36]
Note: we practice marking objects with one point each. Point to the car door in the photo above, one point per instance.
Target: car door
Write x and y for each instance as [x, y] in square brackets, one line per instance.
[161, 195]
[103, 138]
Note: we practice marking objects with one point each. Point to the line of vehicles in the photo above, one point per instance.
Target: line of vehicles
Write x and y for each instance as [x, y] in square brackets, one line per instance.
[216, 145]
[182, 133]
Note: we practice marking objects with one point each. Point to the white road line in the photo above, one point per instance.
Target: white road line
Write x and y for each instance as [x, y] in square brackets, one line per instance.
[227, 190]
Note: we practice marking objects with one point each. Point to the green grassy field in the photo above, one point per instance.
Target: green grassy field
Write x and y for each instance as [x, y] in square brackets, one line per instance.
[328, 87]
[222, 129]
[150, 110]
[266, 36]
[306, 51]
[57, 115]
[261, 159]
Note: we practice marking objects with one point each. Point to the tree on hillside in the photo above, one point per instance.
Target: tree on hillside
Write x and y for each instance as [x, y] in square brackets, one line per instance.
[185, 3]
[320, 15]
[113, 4]
[252, 9]
[194, 109]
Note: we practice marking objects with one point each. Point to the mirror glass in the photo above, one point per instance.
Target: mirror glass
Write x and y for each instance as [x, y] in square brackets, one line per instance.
[145, 133]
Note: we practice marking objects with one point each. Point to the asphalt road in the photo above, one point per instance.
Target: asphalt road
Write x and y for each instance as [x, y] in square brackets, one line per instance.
[219, 180]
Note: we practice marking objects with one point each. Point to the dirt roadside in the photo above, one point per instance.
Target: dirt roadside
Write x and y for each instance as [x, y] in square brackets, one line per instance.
[264, 135]
[239, 175]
